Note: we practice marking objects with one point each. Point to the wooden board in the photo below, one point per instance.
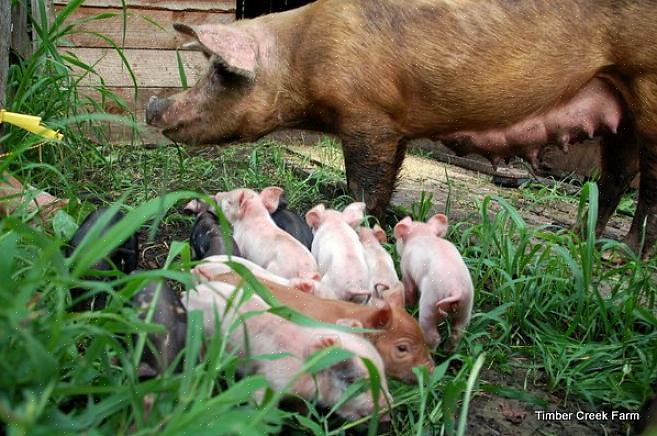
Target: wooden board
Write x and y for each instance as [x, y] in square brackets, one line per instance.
[174, 5]
[141, 30]
[5, 41]
[152, 68]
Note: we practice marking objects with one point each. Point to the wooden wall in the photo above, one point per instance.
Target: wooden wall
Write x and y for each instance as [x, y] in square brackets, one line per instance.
[149, 46]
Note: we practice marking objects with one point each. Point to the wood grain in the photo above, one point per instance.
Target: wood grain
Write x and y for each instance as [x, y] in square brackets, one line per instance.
[152, 68]
[141, 30]
[174, 5]
[5, 41]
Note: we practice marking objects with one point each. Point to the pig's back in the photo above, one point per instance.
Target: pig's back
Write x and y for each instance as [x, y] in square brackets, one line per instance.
[447, 60]
[437, 260]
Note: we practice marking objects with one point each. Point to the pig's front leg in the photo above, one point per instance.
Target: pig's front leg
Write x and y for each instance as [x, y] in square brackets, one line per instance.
[372, 165]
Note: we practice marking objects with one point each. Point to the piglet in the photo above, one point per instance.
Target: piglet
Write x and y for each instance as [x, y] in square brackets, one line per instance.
[265, 334]
[339, 253]
[162, 348]
[259, 239]
[292, 223]
[397, 336]
[207, 238]
[381, 268]
[124, 258]
[434, 267]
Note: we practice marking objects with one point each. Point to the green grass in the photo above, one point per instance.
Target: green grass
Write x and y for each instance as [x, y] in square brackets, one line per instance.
[546, 305]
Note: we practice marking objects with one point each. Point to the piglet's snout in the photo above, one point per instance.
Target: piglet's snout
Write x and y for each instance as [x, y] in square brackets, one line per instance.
[154, 110]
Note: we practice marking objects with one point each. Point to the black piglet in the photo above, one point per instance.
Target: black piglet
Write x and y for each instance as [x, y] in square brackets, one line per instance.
[124, 258]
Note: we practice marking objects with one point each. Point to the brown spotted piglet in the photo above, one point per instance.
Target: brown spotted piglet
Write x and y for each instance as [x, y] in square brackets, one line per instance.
[398, 337]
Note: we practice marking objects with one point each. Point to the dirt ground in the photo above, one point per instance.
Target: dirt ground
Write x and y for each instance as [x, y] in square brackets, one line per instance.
[494, 415]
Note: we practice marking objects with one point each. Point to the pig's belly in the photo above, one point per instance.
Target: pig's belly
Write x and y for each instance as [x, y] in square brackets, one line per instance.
[595, 109]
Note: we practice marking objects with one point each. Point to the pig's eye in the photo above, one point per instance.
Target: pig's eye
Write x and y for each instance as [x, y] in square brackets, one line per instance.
[402, 348]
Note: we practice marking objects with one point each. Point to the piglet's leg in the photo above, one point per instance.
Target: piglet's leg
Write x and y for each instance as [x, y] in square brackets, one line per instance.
[429, 319]
[460, 321]
[409, 290]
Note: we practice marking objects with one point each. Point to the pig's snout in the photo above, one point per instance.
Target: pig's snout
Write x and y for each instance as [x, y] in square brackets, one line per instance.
[154, 110]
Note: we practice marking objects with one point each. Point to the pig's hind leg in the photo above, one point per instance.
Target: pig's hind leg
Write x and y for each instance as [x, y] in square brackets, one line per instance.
[620, 164]
[645, 110]
[431, 314]
[453, 307]
[460, 321]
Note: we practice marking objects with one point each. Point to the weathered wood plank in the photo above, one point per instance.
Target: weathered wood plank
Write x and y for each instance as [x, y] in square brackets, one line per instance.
[21, 43]
[142, 33]
[152, 68]
[5, 41]
[174, 5]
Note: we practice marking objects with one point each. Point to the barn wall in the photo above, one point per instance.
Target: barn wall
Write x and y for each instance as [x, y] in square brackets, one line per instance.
[149, 46]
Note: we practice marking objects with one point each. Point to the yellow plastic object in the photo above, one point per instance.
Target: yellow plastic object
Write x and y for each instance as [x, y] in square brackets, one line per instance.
[30, 123]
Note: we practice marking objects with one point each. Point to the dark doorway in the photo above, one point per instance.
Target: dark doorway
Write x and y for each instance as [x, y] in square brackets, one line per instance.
[254, 8]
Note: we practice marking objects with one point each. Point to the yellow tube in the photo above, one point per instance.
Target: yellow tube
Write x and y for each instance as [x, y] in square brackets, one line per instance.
[30, 123]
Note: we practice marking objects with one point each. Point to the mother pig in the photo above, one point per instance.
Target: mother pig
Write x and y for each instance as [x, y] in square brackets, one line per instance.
[498, 78]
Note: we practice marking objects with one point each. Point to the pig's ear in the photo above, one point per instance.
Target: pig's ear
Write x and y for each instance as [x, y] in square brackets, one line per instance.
[323, 342]
[236, 50]
[402, 228]
[243, 202]
[196, 207]
[314, 216]
[382, 318]
[354, 214]
[379, 234]
[438, 224]
[270, 198]
[395, 296]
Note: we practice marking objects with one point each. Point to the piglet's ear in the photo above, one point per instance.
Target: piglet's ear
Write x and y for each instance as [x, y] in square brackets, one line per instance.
[395, 296]
[354, 214]
[403, 228]
[379, 234]
[382, 318]
[314, 216]
[196, 207]
[235, 49]
[270, 198]
[438, 224]
[322, 343]
[243, 202]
